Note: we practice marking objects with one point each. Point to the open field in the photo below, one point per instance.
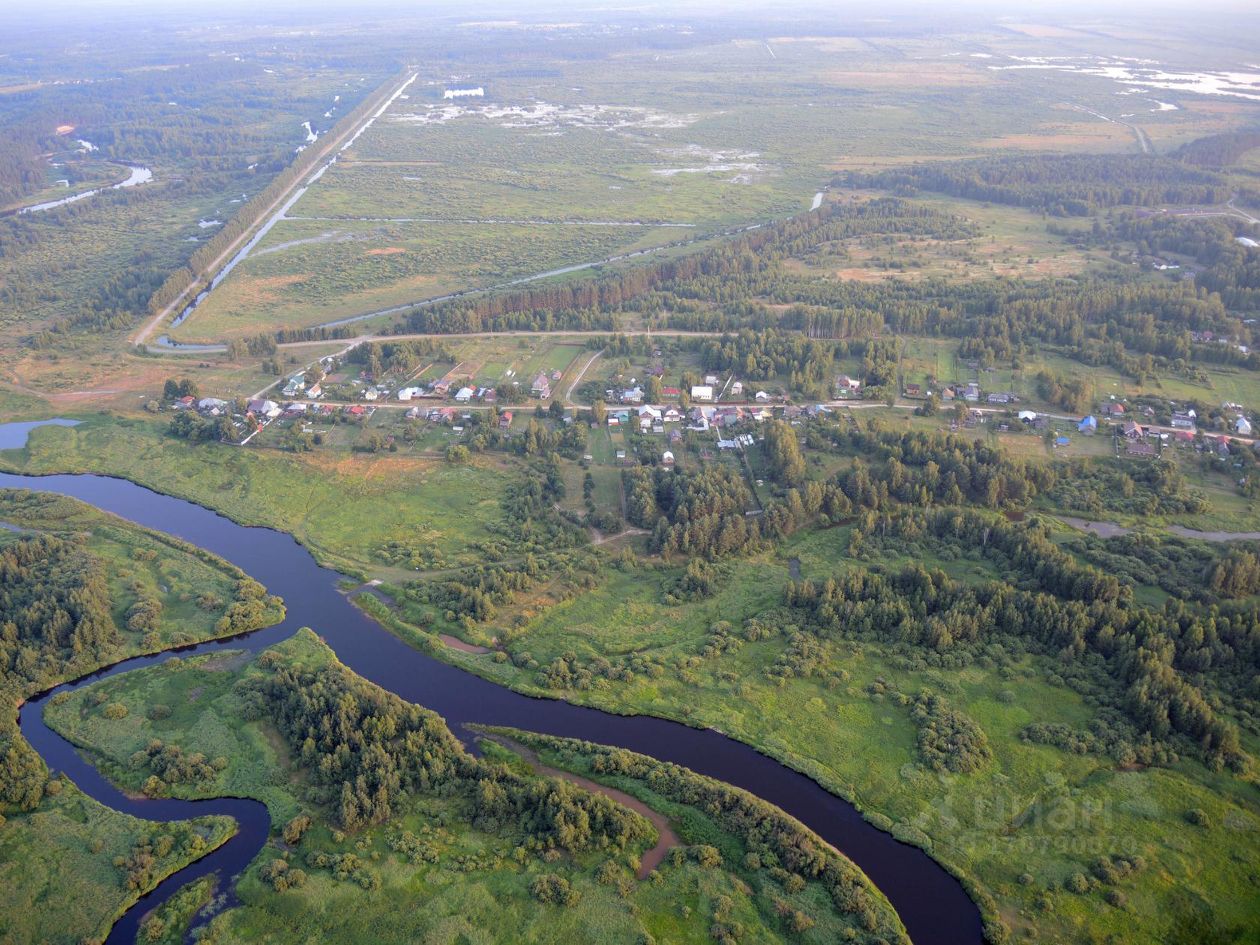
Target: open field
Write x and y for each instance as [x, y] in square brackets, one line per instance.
[439, 196]
[344, 507]
[307, 273]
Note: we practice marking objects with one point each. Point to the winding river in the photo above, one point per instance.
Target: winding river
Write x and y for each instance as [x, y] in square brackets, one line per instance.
[931, 902]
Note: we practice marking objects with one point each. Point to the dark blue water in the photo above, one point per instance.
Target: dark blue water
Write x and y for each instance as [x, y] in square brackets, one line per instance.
[931, 902]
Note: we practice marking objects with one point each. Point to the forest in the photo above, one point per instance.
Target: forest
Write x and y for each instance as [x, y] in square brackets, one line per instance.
[1059, 184]
[366, 749]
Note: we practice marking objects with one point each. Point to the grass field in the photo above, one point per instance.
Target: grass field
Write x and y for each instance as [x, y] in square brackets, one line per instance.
[342, 506]
[64, 852]
[307, 273]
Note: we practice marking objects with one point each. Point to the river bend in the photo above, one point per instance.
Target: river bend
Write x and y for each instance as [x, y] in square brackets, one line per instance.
[930, 901]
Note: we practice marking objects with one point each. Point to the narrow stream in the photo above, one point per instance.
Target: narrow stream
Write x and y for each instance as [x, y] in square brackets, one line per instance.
[931, 902]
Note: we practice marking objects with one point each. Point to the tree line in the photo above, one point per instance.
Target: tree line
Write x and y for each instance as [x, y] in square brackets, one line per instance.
[1058, 184]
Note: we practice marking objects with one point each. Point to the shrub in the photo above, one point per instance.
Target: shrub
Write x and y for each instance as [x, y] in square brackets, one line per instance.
[554, 890]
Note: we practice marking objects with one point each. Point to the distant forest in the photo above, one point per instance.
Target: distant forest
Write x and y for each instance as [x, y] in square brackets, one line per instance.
[1059, 184]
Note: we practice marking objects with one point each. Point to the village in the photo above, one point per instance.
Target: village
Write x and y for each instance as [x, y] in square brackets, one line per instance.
[442, 403]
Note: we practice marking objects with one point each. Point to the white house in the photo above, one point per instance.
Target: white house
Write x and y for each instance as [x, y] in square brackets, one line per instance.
[737, 389]
[844, 382]
[264, 408]
[667, 458]
[1242, 426]
[408, 392]
[761, 397]
[702, 392]
[478, 92]
[464, 394]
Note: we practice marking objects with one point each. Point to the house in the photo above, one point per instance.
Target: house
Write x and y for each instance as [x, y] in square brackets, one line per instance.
[356, 410]
[1183, 437]
[407, 393]
[214, 406]
[914, 390]
[370, 393]
[671, 392]
[844, 382]
[1140, 450]
[541, 387]
[1221, 446]
[489, 395]
[792, 412]
[464, 395]
[441, 386]
[737, 389]
[1132, 431]
[667, 458]
[726, 444]
[675, 436]
[1183, 421]
[971, 393]
[1088, 425]
[1113, 409]
[702, 392]
[185, 403]
[1242, 426]
[556, 375]
[413, 413]
[1004, 397]
[948, 393]
[761, 397]
[505, 419]
[711, 380]
[264, 408]
[1028, 416]
[621, 454]
[294, 385]
[672, 415]
[314, 391]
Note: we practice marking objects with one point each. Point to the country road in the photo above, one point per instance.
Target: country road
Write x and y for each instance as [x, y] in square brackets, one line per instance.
[568, 395]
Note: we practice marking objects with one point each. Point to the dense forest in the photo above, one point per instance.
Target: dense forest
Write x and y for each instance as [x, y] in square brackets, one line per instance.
[366, 749]
[1059, 184]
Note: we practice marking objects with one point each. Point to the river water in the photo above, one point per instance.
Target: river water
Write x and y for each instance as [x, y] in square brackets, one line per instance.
[931, 902]
[136, 176]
